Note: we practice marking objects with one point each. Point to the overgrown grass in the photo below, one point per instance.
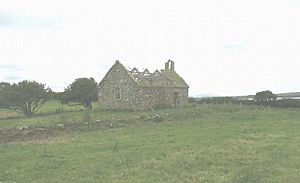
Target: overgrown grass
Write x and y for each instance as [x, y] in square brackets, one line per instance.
[198, 143]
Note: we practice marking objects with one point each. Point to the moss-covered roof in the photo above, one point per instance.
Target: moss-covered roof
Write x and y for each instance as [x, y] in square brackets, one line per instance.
[163, 78]
[173, 76]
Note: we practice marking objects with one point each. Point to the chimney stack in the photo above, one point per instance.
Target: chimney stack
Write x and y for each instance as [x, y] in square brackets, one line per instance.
[170, 65]
[166, 66]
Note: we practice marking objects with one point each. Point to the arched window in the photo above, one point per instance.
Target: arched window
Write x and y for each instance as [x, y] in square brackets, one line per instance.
[118, 93]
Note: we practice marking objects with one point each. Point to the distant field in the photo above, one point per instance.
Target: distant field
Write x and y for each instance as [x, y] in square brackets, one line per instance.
[198, 143]
[50, 107]
[295, 94]
[291, 95]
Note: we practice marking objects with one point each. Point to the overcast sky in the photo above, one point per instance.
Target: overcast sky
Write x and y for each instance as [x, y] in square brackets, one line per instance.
[223, 47]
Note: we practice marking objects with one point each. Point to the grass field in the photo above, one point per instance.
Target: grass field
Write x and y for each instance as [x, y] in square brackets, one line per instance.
[198, 143]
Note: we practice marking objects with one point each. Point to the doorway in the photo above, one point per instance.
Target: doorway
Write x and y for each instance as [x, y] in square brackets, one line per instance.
[176, 99]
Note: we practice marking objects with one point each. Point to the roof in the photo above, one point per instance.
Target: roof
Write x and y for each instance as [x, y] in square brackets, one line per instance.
[173, 76]
[163, 78]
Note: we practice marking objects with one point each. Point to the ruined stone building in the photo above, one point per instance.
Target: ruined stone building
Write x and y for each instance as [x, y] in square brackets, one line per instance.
[135, 90]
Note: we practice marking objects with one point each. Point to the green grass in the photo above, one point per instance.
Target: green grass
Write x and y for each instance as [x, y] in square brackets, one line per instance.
[200, 143]
[51, 107]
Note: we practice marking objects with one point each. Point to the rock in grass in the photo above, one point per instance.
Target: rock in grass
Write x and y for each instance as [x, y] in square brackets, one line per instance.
[60, 126]
[156, 118]
[40, 129]
[23, 127]
[140, 117]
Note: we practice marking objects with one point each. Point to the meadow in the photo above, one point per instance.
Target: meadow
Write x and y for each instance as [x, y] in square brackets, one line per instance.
[196, 143]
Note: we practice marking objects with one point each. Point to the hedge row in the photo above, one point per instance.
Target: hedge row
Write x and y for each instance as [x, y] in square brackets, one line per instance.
[283, 103]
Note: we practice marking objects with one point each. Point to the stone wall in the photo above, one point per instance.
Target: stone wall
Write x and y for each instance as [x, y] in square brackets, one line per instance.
[176, 97]
[118, 81]
[119, 90]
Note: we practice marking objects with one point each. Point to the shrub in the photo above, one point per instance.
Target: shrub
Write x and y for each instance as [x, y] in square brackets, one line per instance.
[265, 98]
[26, 97]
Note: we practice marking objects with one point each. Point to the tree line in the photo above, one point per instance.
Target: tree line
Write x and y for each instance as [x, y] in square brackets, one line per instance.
[27, 97]
[262, 98]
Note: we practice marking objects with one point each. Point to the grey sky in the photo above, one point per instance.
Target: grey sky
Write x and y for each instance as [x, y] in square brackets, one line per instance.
[231, 47]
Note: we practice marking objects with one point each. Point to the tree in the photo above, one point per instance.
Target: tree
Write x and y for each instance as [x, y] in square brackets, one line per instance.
[26, 97]
[82, 90]
[265, 98]
[3, 86]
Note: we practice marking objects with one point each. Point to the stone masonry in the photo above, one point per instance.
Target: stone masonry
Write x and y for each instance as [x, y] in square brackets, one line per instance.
[123, 89]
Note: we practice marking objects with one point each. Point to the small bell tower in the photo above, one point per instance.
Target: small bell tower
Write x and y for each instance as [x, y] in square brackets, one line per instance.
[170, 65]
